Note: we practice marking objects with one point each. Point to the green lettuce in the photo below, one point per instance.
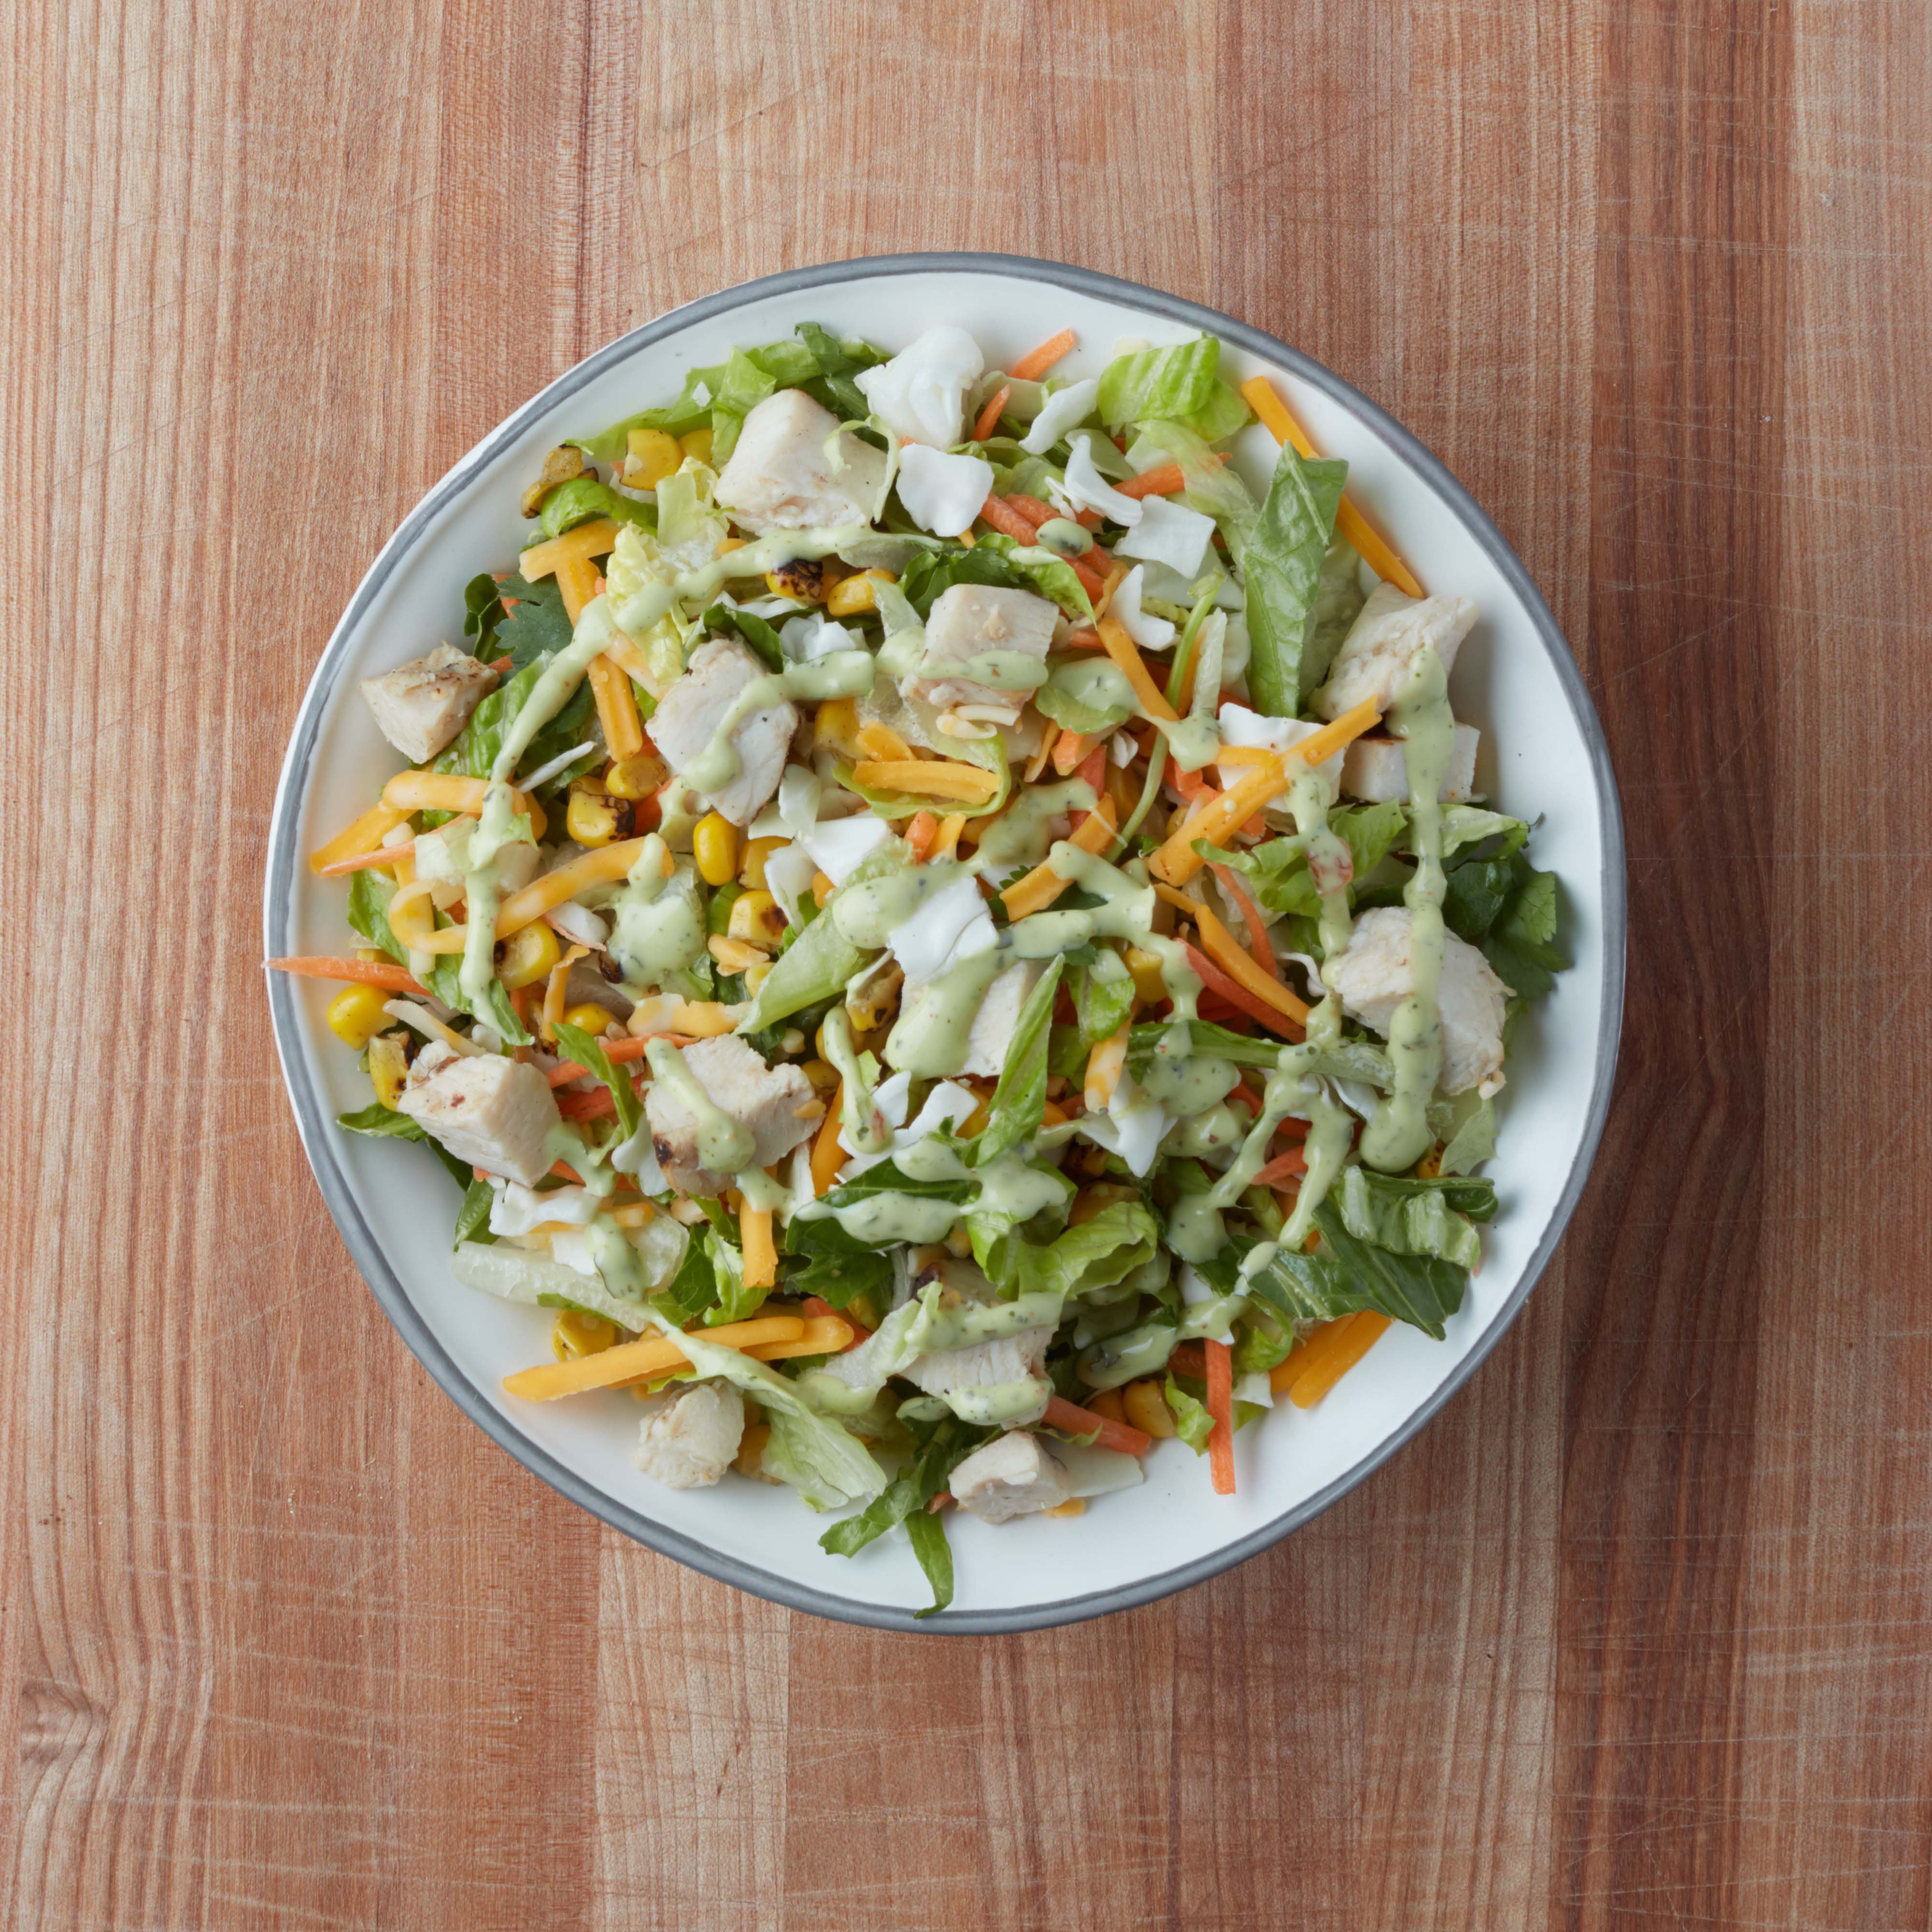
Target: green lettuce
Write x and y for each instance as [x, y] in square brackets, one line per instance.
[1415, 1217]
[907, 1500]
[1040, 570]
[1224, 414]
[996, 560]
[1282, 567]
[1192, 1422]
[1210, 486]
[1103, 996]
[475, 749]
[762, 637]
[1466, 1126]
[515, 1274]
[1337, 603]
[817, 964]
[822, 1259]
[472, 1218]
[583, 499]
[1348, 1274]
[1019, 1100]
[368, 912]
[589, 1054]
[1164, 385]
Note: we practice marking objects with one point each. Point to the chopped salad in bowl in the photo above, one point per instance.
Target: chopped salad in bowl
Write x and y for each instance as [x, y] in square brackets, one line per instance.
[943, 938]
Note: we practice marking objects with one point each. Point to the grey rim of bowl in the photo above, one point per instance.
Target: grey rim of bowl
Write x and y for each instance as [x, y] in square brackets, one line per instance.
[317, 1129]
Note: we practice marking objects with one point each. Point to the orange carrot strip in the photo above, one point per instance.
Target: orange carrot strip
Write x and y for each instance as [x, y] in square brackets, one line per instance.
[1339, 1347]
[363, 835]
[1221, 1407]
[1091, 581]
[1036, 512]
[1036, 362]
[364, 862]
[1082, 639]
[1248, 1097]
[822, 1310]
[1251, 916]
[760, 1250]
[358, 972]
[827, 1156]
[1221, 948]
[1069, 749]
[1375, 549]
[1123, 650]
[1189, 1361]
[615, 1050]
[1002, 516]
[989, 417]
[1283, 1167]
[1073, 1420]
[1163, 480]
[1191, 785]
[1042, 885]
[1216, 981]
[922, 834]
[596, 1104]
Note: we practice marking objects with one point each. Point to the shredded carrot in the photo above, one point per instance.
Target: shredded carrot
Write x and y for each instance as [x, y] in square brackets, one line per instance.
[1211, 977]
[1283, 1167]
[1105, 1065]
[1223, 948]
[1221, 1407]
[997, 511]
[1375, 550]
[827, 1156]
[989, 417]
[1123, 650]
[1248, 1097]
[1189, 1361]
[1251, 916]
[1163, 480]
[1317, 1364]
[922, 834]
[364, 836]
[1042, 885]
[1069, 749]
[365, 862]
[1036, 362]
[1191, 785]
[596, 1104]
[358, 972]
[1083, 639]
[755, 1240]
[1036, 512]
[1070, 1419]
[1091, 581]
[615, 1050]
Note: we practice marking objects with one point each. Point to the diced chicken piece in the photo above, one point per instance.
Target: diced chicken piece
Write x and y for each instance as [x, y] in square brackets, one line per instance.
[694, 707]
[420, 706]
[1239, 726]
[691, 1441]
[776, 1103]
[1013, 1475]
[495, 1113]
[1376, 974]
[1375, 658]
[1375, 768]
[985, 1365]
[972, 620]
[782, 474]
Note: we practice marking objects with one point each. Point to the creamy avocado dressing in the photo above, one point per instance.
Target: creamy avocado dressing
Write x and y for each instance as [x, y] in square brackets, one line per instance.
[868, 911]
[838, 674]
[1399, 1135]
[657, 924]
[1097, 683]
[932, 1036]
[1019, 836]
[499, 825]
[998, 671]
[859, 1123]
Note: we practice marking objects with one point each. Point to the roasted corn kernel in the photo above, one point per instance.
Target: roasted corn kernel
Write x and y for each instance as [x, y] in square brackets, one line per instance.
[822, 1075]
[596, 1021]
[697, 442]
[853, 596]
[593, 818]
[573, 1334]
[714, 843]
[836, 727]
[750, 1459]
[654, 454]
[758, 919]
[876, 1000]
[637, 777]
[355, 1016]
[1146, 1405]
[822, 889]
[1106, 1404]
[755, 977]
[751, 872]
[563, 462]
[527, 955]
[803, 580]
[389, 1066]
[1149, 986]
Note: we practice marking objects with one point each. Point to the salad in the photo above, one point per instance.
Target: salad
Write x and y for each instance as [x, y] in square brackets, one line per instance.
[942, 937]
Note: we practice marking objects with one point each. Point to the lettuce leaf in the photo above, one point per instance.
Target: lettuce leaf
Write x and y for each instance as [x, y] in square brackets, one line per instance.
[1348, 1274]
[515, 1274]
[1282, 567]
[822, 1259]
[1338, 602]
[763, 639]
[1040, 570]
[1466, 1126]
[584, 498]
[1167, 385]
[1224, 414]
[367, 913]
[589, 1053]
[1416, 1217]
[819, 962]
[475, 749]
[472, 1217]
[1192, 1422]
[907, 1500]
[1098, 1254]
[1103, 996]
[1211, 486]
[1019, 1100]
[996, 559]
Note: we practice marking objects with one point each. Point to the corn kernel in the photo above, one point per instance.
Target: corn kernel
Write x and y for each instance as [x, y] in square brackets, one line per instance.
[528, 955]
[836, 727]
[822, 1075]
[757, 919]
[388, 1067]
[853, 596]
[654, 455]
[714, 842]
[1149, 986]
[876, 1001]
[805, 580]
[1146, 1405]
[1430, 1165]
[1106, 1404]
[637, 777]
[373, 955]
[734, 955]
[1073, 1506]
[749, 1460]
[572, 1334]
[755, 977]
[822, 889]
[751, 873]
[593, 818]
[596, 1021]
[697, 442]
[730, 543]
[355, 1016]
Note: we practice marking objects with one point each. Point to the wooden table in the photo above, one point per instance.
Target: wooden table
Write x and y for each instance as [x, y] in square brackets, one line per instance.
[1636, 1634]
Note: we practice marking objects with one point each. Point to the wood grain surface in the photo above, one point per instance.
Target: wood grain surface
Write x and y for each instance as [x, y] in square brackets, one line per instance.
[1636, 1635]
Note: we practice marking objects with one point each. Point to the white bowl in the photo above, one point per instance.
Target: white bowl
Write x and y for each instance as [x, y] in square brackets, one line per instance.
[1545, 759]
